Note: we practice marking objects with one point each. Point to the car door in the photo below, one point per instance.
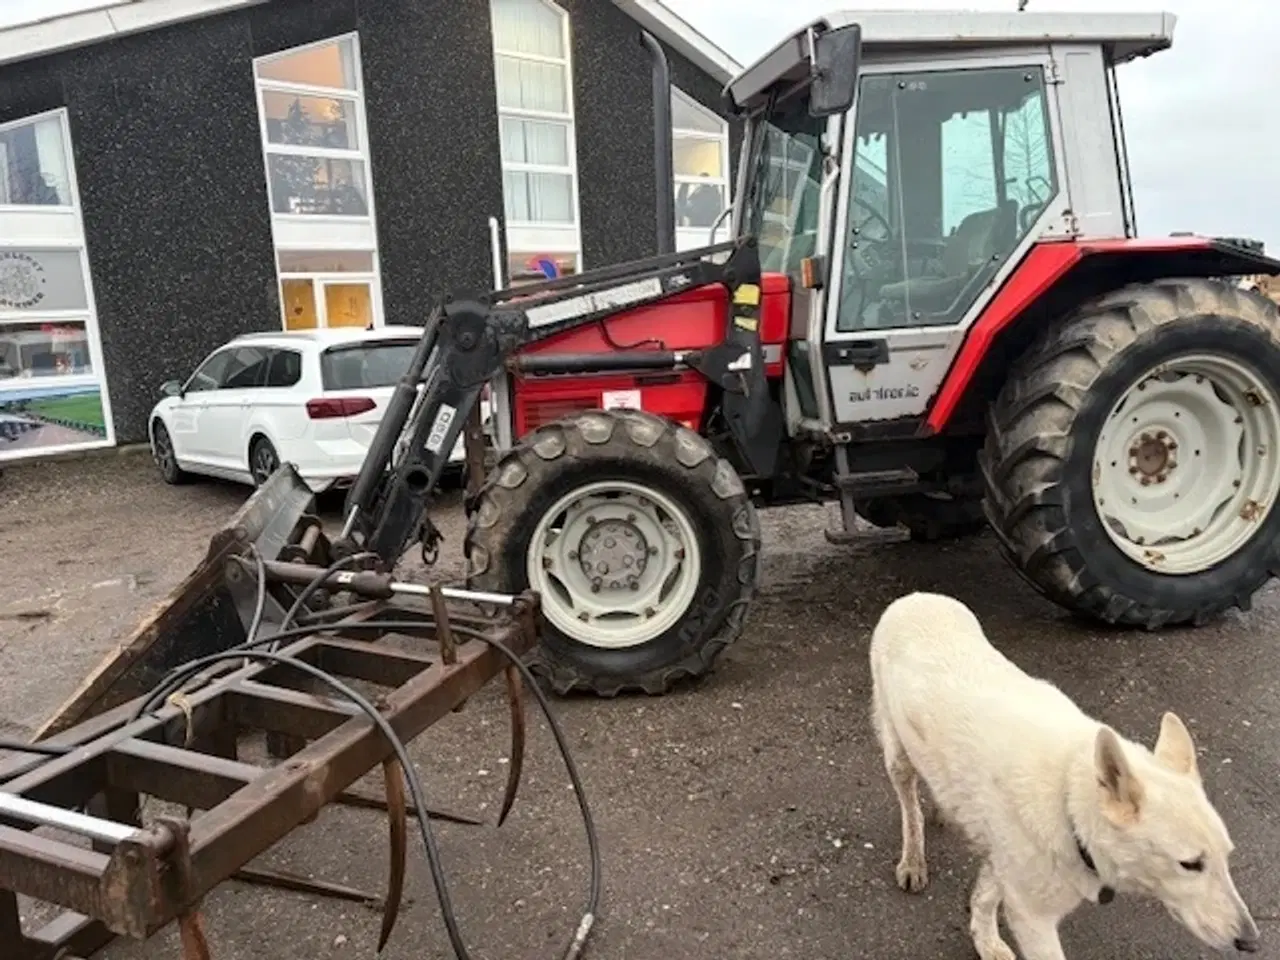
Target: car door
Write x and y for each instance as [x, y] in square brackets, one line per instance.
[190, 441]
[227, 414]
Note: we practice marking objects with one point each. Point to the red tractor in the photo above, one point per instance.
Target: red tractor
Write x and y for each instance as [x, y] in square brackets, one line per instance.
[937, 313]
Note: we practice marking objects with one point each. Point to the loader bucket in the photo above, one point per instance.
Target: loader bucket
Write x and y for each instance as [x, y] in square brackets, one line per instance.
[199, 616]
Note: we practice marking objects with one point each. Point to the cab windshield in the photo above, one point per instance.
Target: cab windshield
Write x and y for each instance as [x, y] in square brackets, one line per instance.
[783, 186]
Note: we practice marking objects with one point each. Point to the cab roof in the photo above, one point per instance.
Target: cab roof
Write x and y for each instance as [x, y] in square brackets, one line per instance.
[1122, 36]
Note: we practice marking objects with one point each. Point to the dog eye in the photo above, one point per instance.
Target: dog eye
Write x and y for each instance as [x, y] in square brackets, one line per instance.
[1195, 866]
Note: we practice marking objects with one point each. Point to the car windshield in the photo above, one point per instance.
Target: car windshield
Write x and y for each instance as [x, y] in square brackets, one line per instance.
[782, 197]
[366, 366]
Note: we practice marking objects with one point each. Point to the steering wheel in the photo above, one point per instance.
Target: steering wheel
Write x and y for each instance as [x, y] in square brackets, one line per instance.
[867, 257]
[860, 227]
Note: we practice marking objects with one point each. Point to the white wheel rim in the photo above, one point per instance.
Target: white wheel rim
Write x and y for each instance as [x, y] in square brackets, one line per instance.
[634, 545]
[1187, 466]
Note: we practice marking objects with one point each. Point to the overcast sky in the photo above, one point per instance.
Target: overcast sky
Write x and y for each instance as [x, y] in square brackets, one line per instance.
[1202, 139]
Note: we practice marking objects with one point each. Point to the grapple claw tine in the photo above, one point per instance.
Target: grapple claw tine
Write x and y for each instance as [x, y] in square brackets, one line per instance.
[397, 823]
[515, 694]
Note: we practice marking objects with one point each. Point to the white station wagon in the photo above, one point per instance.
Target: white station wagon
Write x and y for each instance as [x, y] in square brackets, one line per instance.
[312, 398]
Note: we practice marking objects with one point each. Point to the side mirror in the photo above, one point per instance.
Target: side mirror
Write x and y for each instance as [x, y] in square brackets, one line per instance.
[171, 388]
[836, 57]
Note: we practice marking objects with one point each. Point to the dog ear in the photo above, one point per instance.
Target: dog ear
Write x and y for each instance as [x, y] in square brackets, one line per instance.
[1121, 790]
[1175, 748]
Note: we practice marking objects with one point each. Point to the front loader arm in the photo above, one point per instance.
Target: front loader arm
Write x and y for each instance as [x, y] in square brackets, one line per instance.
[467, 342]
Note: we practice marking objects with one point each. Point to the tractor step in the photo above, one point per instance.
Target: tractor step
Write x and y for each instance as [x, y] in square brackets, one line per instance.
[864, 485]
[878, 483]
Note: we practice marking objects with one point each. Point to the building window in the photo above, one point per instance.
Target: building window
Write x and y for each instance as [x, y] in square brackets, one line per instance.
[311, 106]
[700, 155]
[52, 393]
[531, 44]
[332, 288]
[34, 168]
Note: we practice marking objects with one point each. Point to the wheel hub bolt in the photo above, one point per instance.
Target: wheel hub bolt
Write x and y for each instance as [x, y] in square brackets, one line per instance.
[650, 612]
[591, 520]
[595, 585]
[546, 563]
[631, 518]
[653, 551]
[573, 554]
[633, 583]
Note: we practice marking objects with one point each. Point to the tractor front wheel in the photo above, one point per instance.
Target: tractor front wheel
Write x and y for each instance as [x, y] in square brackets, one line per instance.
[1132, 461]
[640, 540]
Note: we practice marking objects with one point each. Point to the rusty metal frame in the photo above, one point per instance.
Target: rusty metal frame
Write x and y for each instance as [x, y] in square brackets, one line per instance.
[185, 752]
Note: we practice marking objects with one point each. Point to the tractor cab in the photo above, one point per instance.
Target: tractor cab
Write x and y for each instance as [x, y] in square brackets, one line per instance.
[968, 139]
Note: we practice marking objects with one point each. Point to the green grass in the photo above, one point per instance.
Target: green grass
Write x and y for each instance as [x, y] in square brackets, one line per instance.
[85, 408]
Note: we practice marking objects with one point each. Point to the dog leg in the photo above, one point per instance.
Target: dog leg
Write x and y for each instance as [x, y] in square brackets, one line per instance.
[913, 871]
[1036, 935]
[984, 919]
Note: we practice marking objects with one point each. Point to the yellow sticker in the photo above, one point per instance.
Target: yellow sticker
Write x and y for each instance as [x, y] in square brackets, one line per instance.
[747, 295]
[746, 323]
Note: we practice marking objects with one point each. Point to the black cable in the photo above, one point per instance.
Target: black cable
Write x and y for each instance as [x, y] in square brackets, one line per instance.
[260, 604]
[316, 582]
[246, 651]
[415, 786]
[177, 677]
[255, 624]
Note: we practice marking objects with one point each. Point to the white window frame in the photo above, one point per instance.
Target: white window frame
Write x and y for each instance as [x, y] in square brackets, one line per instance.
[320, 278]
[304, 232]
[38, 227]
[532, 237]
[688, 237]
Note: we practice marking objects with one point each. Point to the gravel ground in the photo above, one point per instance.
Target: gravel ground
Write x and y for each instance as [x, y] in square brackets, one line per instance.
[748, 818]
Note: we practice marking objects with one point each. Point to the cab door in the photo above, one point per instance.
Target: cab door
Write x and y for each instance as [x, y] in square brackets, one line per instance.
[956, 173]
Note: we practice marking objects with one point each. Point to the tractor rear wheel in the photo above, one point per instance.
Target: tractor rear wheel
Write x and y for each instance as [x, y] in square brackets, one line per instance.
[640, 540]
[1132, 461]
[928, 517]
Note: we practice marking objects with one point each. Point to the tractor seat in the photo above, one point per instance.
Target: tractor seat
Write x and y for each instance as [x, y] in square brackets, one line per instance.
[978, 239]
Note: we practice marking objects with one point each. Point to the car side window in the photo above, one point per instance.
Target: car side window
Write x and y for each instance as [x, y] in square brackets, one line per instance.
[210, 374]
[247, 368]
[284, 368]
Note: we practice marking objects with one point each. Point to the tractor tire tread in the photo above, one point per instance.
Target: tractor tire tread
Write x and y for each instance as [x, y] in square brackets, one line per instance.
[509, 486]
[1029, 436]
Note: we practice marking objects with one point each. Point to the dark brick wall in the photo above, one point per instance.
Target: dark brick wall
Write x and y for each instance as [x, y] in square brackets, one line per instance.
[613, 87]
[170, 168]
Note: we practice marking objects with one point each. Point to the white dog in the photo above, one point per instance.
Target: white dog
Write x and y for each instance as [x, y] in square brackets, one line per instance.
[1061, 808]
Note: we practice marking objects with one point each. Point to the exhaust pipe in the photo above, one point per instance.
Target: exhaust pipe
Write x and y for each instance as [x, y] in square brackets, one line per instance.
[663, 164]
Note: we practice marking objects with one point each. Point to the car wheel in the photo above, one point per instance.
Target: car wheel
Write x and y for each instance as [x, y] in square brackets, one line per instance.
[165, 458]
[263, 460]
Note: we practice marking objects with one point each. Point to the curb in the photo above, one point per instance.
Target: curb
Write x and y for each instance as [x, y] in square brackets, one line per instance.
[120, 450]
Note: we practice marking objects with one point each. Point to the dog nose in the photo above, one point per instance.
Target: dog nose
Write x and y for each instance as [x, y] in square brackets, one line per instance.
[1247, 944]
